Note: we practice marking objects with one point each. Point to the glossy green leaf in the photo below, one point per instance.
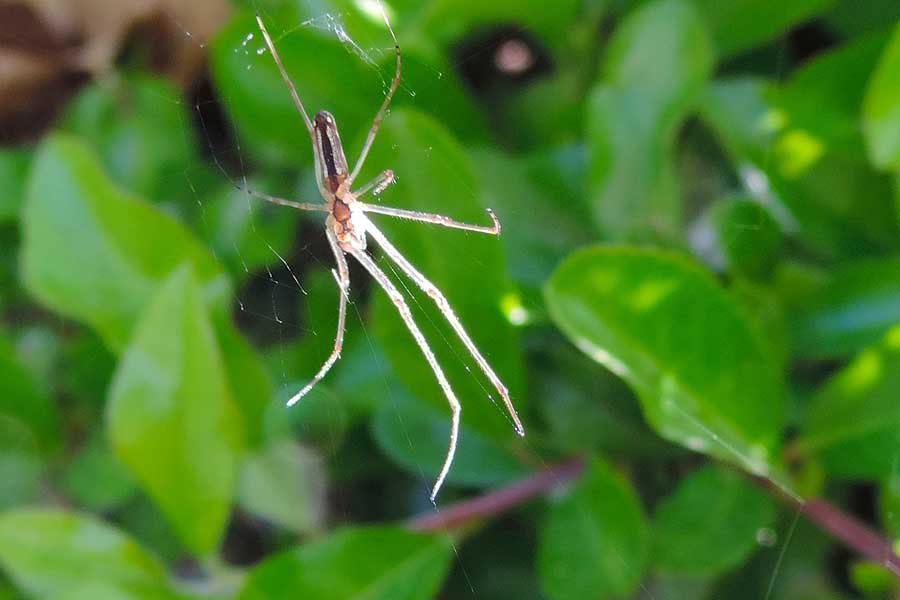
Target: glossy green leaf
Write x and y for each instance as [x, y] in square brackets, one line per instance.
[683, 345]
[22, 400]
[13, 172]
[853, 425]
[171, 416]
[372, 563]
[284, 483]
[881, 110]
[855, 307]
[740, 25]
[657, 63]
[709, 524]
[49, 552]
[134, 125]
[94, 253]
[433, 174]
[416, 437]
[594, 541]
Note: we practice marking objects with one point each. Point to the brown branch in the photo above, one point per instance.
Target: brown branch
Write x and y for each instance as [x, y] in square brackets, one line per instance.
[828, 517]
[498, 501]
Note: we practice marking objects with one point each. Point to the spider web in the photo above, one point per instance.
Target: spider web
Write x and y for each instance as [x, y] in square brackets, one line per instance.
[277, 291]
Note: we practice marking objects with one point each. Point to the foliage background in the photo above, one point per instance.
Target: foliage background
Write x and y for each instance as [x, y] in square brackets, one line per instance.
[696, 298]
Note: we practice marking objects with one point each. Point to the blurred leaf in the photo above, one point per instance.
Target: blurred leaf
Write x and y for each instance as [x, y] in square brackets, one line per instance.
[416, 437]
[171, 417]
[825, 95]
[449, 20]
[853, 18]
[763, 305]
[657, 62]
[881, 110]
[48, 553]
[397, 565]
[93, 253]
[13, 171]
[528, 215]
[709, 524]
[889, 503]
[137, 125]
[871, 578]
[681, 342]
[284, 483]
[739, 25]
[96, 480]
[836, 206]
[748, 236]
[587, 408]
[23, 401]
[433, 174]
[22, 469]
[854, 420]
[594, 541]
[246, 376]
[247, 233]
[854, 308]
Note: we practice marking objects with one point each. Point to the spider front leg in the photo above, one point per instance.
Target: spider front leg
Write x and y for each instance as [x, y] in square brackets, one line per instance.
[343, 280]
[414, 215]
[403, 308]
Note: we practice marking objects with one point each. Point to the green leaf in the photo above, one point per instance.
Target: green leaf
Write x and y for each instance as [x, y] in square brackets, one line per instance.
[709, 524]
[853, 425]
[372, 563]
[284, 483]
[683, 345]
[94, 253]
[49, 552]
[594, 541]
[881, 109]
[657, 63]
[739, 25]
[836, 206]
[855, 307]
[434, 175]
[135, 124]
[13, 170]
[25, 403]
[171, 416]
[749, 237]
[416, 437]
[96, 480]
[528, 213]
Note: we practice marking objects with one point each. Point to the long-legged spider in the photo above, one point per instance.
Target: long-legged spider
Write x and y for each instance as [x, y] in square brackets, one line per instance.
[347, 226]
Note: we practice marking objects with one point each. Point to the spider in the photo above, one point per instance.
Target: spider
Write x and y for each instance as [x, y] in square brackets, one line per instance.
[347, 227]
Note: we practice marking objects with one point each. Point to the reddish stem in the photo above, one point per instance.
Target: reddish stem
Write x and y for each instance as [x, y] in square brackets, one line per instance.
[831, 519]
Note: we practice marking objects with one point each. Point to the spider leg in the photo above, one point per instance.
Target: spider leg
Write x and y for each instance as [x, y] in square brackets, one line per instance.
[395, 83]
[285, 77]
[414, 215]
[377, 185]
[403, 308]
[429, 288]
[284, 201]
[343, 279]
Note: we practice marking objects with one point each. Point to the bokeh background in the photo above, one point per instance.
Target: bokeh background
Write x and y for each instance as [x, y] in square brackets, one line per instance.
[695, 301]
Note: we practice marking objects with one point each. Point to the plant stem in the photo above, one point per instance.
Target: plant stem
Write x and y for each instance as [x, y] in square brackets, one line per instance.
[828, 517]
